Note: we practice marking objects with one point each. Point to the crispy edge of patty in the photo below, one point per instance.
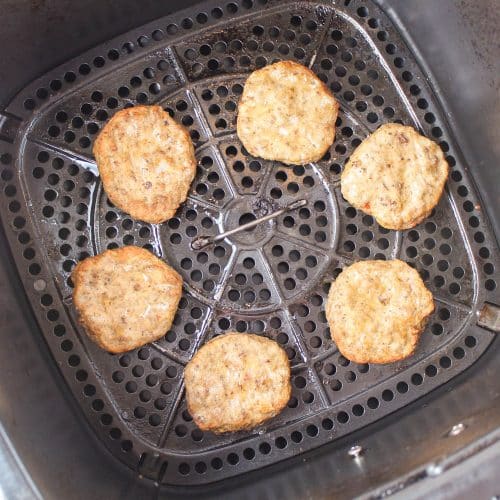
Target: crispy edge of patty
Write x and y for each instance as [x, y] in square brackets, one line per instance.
[159, 212]
[415, 332]
[247, 138]
[191, 372]
[426, 209]
[123, 255]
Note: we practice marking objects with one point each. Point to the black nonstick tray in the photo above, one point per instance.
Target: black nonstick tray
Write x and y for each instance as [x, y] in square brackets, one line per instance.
[273, 280]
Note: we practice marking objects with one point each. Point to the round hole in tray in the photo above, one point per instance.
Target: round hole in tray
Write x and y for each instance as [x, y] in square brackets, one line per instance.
[265, 448]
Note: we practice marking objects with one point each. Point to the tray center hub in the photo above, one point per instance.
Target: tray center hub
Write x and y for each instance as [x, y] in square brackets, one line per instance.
[246, 209]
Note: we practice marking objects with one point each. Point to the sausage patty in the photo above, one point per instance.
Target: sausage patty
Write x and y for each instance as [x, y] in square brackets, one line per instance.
[286, 113]
[237, 381]
[377, 311]
[126, 297]
[396, 175]
[146, 162]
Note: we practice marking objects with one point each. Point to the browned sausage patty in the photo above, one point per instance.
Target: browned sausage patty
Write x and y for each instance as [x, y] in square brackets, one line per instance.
[146, 162]
[125, 298]
[286, 113]
[396, 175]
[377, 311]
[237, 381]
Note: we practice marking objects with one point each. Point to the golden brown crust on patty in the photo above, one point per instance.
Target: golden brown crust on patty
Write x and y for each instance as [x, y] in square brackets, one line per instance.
[286, 113]
[126, 297]
[396, 175]
[237, 381]
[146, 162]
[377, 311]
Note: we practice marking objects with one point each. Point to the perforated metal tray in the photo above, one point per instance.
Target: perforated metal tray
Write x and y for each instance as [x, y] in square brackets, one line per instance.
[272, 280]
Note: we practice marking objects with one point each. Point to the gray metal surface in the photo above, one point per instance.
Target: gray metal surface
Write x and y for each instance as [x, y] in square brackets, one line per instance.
[470, 473]
[234, 285]
[16, 483]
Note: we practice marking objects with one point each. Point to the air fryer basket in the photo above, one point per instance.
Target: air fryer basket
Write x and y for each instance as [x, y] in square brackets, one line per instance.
[272, 280]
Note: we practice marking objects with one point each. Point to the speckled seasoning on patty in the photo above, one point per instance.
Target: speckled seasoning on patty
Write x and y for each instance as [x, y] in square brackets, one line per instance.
[146, 162]
[125, 298]
[237, 381]
[286, 113]
[396, 175]
[377, 311]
